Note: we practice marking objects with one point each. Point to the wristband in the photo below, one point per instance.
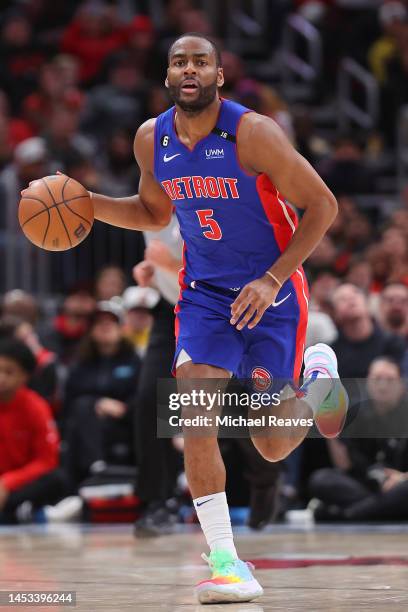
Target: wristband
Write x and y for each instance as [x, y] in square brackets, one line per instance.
[274, 278]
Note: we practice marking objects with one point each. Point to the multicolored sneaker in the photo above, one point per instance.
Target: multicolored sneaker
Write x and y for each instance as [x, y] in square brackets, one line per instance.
[231, 580]
[331, 414]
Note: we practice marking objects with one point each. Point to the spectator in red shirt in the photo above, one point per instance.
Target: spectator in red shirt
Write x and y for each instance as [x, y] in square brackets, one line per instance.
[52, 92]
[45, 377]
[65, 332]
[29, 442]
[13, 130]
[21, 55]
[92, 36]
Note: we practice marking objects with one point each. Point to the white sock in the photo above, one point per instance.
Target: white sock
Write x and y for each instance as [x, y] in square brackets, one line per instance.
[213, 514]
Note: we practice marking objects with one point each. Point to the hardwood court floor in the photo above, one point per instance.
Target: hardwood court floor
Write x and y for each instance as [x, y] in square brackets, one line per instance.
[111, 571]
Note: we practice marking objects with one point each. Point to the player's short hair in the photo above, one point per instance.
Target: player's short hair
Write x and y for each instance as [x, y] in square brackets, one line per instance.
[17, 351]
[212, 42]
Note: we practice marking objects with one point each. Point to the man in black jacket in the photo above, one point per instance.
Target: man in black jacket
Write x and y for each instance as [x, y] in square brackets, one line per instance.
[360, 339]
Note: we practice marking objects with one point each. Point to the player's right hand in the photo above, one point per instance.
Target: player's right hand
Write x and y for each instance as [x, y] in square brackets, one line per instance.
[22, 192]
[143, 273]
[253, 299]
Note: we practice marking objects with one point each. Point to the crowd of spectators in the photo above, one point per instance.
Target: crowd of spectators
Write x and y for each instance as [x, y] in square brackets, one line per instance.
[76, 80]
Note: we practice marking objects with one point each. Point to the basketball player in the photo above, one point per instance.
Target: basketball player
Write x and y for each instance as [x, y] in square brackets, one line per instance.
[243, 300]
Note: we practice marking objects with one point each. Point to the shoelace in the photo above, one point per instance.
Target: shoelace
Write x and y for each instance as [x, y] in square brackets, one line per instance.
[225, 565]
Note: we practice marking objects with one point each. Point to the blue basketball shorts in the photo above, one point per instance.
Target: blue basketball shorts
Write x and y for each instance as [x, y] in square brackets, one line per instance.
[273, 349]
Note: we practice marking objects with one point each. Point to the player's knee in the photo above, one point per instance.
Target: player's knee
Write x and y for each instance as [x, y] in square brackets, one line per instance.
[273, 449]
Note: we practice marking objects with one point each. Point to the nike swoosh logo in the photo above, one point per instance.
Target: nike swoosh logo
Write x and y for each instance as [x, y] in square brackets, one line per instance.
[167, 159]
[275, 304]
[204, 502]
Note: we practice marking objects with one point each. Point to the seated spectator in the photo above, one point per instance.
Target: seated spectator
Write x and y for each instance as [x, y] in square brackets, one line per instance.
[117, 103]
[64, 140]
[360, 338]
[30, 162]
[18, 303]
[52, 92]
[394, 244]
[29, 477]
[44, 379]
[358, 234]
[394, 91]
[360, 274]
[13, 130]
[110, 282]
[370, 480]
[391, 16]
[97, 418]
[393, 310]
[69, 327]
[68, 70]
[321, 291]
[351, 235]
[138, 303]
[141, 46]
[21, 55]
[380, 262]
[92, 36]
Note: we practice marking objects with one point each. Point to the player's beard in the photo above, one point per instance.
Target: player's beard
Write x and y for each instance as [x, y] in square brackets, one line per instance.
[205, 97]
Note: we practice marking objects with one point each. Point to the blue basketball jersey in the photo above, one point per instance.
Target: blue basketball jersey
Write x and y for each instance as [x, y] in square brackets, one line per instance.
[234, 225]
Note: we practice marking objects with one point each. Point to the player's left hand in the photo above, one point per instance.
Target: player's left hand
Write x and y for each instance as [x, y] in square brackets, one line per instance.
[254, 298]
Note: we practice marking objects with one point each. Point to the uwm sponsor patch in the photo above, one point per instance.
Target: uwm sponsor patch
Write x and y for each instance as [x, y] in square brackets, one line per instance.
[189, 187]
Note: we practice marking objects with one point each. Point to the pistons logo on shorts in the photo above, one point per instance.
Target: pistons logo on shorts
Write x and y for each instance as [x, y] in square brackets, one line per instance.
[262, 379]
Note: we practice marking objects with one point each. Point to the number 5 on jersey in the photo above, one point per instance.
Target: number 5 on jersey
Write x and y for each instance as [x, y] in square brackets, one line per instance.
[205, 217]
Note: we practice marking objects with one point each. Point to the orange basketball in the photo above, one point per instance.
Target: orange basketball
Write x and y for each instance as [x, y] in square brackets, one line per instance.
[56, 213]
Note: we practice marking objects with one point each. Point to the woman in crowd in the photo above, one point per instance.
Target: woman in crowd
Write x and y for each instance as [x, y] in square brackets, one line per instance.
[96, 418]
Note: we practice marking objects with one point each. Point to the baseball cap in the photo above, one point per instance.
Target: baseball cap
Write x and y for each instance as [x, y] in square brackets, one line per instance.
[392, 11]
[31, 151]
[112, 306]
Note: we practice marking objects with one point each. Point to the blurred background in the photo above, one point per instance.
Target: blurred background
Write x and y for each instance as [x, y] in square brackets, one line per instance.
[76, 81]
